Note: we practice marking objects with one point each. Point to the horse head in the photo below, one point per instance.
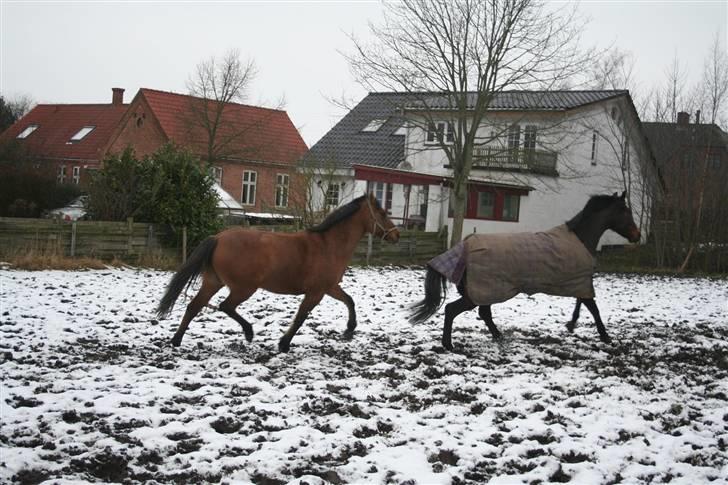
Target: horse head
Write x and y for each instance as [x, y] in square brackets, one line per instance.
[620, 219]
[379, 223]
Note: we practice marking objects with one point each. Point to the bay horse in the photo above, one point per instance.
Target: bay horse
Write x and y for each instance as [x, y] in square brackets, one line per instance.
[601, 213]
[310, 263]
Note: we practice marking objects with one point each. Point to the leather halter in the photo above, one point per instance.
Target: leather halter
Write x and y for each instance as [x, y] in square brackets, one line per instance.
[376, 223]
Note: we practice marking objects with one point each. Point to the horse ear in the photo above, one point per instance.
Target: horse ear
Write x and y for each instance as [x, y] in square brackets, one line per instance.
[614, 194]
[624, 194]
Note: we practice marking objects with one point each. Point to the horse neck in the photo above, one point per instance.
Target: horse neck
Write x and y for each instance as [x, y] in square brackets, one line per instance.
[589, 231]
[342, 238]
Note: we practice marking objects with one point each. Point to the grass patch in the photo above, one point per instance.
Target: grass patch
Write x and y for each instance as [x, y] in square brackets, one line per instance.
[34, 259]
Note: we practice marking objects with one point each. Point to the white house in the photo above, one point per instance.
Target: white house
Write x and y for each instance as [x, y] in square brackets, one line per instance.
[538, 159]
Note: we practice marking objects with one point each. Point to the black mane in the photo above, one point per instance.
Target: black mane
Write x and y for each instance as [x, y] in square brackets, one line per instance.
[596, 203]
[340, 214]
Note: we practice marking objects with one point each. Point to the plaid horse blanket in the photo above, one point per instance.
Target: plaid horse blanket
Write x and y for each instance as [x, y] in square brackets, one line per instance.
[500, 266]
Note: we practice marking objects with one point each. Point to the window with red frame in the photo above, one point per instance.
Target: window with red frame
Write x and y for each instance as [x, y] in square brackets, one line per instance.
[494, 204]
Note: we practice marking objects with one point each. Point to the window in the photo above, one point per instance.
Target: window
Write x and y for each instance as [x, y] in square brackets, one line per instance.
[76, 175]
[595, 138]
[249, 181]
[492, 203]
[282, 190]
[511, 206]
[514, 136]
[383, 194]
[216, 174]
[529, 138]
[440, 129]
[374, 125]
[332, 195]
[27, 131]
[486, 205]
[61, 177]
[81, 134]
[714, 160]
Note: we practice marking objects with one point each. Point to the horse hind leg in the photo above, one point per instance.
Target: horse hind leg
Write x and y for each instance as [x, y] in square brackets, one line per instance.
[308, 303]
[485, 313]
[208, 289]
[452, 310]
[591, 305]
[229, 305]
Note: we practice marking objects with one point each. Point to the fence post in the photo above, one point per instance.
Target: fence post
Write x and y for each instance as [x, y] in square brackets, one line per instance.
[150, 237]
[184, 244]
[73, 239]
[130, 236]
[369, 247]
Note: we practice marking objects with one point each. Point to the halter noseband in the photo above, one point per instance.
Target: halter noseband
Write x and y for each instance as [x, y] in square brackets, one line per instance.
[376, 223]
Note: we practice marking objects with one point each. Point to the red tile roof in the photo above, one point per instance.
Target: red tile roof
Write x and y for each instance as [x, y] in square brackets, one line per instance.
[255, 133]
[57, 123]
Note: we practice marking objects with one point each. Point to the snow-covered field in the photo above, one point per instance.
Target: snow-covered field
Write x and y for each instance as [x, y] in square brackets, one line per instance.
[92, 391]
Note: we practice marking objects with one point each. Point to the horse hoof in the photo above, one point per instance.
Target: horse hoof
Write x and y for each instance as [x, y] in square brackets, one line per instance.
[176, 342]
[249, 336]
[606, 339]
[570, 327]
[348, 335]
[498, 338]
[447, 346]
[283, 346]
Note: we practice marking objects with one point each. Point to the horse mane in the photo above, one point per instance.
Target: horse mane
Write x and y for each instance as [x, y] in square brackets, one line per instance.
[595, 204]
[339, 215]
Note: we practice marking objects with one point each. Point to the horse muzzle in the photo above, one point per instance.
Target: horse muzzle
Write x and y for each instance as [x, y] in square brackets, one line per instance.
[634, 235]
[392, 236]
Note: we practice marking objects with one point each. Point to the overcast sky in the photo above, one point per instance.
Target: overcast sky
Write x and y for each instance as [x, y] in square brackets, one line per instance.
[75, 52]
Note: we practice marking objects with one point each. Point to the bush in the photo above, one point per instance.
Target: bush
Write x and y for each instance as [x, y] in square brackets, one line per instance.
[169, 187]
[28, 192]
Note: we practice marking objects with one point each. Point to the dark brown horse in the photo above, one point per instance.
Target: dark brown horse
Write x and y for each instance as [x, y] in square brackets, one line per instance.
[309, 263]
[600, 214]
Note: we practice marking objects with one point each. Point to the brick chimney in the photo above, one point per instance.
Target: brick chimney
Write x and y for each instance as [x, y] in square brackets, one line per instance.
[117, 96]
[683, 118]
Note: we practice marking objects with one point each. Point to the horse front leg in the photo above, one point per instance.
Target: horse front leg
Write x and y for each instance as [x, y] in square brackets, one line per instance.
[339, 294]
[574, 316]
[486, 314]
[592, 307]
[452, 310]
[309, 302]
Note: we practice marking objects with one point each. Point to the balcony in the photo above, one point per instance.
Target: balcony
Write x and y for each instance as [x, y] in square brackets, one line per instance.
[515, 160]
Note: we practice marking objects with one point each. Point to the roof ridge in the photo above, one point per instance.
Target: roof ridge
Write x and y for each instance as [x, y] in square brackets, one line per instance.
[520, 91]
[229, 102]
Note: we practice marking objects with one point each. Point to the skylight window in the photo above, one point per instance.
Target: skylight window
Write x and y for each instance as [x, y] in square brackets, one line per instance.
[374, 125]
[27, 131]
[81, 134]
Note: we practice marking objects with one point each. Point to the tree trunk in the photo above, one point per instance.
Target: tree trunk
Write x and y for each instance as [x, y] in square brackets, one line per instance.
[459, 195]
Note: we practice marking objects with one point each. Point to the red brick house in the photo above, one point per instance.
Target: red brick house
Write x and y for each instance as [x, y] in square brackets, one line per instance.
[67, 139]
[256, 159]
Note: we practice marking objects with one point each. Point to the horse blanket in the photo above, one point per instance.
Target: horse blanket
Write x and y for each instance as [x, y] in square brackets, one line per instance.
[497, 267]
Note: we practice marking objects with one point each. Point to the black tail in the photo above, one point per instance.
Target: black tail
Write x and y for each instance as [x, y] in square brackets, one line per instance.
[435, 291]
[187, 275]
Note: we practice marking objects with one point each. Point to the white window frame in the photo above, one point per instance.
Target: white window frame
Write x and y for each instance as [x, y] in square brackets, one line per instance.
[328, 200]
[433, 128]
[61, 175]
[514, 137]
[81, 134]
[282, 183]
[216, 173]
[247, 197]
[530, 137]
[374, 125]
[27, 132]
[76, 177]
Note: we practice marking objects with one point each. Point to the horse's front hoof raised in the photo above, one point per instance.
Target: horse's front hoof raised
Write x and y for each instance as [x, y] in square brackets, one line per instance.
[284, 345]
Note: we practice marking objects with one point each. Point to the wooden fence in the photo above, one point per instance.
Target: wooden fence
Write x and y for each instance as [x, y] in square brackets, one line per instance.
[131, 240]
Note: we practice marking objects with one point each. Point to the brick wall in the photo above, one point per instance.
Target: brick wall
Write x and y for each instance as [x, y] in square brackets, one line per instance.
[265, 190]
[139, 129]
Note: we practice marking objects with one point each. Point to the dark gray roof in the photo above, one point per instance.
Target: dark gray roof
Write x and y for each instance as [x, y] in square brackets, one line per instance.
[346, 144]
[521, 100]
[671, 139]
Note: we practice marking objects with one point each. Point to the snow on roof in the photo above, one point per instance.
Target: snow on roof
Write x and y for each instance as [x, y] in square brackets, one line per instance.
[225, 200]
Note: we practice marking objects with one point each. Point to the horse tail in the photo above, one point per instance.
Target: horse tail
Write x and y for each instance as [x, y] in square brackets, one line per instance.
[199, 260]
[435, 291]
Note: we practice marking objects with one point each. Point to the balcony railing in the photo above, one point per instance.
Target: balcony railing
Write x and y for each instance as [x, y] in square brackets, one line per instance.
[515, 159]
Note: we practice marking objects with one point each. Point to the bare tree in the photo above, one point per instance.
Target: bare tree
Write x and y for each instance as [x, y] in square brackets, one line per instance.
[456, 56]
[215, 83]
